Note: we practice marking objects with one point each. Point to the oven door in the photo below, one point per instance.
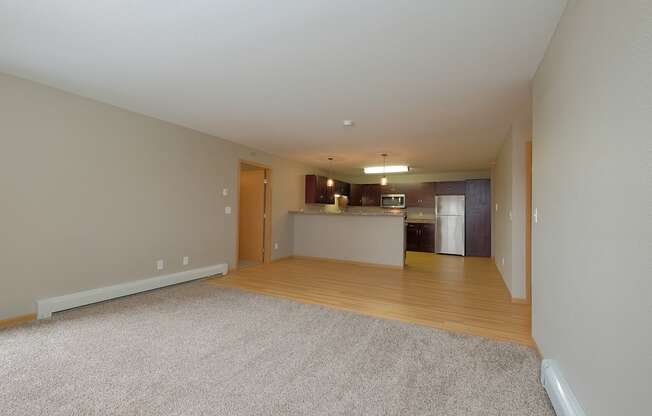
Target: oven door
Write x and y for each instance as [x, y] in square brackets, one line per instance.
[392, 201]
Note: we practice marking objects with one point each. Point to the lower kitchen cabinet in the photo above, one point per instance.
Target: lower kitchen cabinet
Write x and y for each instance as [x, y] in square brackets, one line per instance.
[420, 237]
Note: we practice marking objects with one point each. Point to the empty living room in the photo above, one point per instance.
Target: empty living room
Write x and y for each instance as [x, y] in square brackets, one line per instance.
[326, 207]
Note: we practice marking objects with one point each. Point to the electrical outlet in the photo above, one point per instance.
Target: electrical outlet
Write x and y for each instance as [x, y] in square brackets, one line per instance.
[275, 246]
[536, 216]
[510, 214]
[227, 210]
[159, 265]
[186, 260]
[502, 261]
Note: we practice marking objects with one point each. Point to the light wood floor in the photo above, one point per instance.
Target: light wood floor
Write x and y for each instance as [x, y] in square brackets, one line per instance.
[462, 294]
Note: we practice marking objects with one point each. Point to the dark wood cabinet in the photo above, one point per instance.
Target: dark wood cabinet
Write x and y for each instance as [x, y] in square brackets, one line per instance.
[355, 199]
[412, 194]
[343, 188]
[450, 188]
[367, 195]
[371, 195]
[318, 191]
[421, 195]
[393, 188]
[427, 242]
[427, 193]
[478, 217]
[412, 237]
[420, 237]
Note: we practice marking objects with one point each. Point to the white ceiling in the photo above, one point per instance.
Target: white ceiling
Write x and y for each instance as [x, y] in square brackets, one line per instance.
[431, 82]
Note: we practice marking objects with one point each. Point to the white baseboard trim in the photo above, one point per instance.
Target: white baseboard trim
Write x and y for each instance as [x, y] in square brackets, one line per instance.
[45, 307]
[561, 396]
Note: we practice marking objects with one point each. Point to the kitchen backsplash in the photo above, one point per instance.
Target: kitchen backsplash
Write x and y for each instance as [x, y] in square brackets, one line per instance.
[421, 213]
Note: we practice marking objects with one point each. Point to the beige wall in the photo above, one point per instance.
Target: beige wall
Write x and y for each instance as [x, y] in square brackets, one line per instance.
[592, 186]
[509, 192]
[93, 195]
[501, 238]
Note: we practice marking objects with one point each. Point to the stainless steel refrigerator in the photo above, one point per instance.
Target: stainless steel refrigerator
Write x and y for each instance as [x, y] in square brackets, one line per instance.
[449, 226]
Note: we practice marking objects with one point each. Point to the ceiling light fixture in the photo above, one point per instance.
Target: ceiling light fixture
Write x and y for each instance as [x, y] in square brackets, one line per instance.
[371, 170]
[329, 181]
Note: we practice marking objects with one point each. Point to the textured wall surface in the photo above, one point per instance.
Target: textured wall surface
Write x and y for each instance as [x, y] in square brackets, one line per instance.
[592, 186]
[93, 195]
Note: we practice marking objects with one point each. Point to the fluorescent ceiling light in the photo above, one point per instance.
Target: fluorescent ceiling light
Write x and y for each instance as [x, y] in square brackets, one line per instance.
[387, 169]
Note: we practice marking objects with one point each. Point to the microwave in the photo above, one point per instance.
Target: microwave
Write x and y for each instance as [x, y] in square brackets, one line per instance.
[392, 200]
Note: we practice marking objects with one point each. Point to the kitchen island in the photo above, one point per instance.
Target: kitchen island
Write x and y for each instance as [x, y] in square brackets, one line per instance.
[374, 238]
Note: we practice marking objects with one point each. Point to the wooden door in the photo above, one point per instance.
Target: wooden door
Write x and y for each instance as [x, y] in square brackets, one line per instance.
[478, 217]
[251, 221]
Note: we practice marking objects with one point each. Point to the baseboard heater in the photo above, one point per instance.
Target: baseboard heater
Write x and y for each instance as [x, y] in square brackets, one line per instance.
[45, 307]
[561, 396]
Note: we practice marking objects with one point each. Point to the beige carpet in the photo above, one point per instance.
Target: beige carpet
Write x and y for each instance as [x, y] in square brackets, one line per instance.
[197, 349]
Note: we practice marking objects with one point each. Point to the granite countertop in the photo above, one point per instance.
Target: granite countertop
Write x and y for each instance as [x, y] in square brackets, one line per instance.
[421, 220]
[351, 213]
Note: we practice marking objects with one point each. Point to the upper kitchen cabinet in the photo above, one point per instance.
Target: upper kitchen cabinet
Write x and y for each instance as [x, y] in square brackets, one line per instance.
[371, 195]
[420, 195]
[367, 195]
[342, 188]
[318, 191]
[450, 188]
[355, 199]
[478, 217]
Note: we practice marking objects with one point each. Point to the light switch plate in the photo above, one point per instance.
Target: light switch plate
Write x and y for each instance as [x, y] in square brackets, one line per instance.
[225, 192]
[227, 210]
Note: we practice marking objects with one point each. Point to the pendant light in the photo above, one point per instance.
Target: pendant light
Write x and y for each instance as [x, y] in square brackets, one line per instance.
[383, 180]
[329, 181]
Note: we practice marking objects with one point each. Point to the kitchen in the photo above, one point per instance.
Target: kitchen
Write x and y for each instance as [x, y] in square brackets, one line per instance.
[444, 217]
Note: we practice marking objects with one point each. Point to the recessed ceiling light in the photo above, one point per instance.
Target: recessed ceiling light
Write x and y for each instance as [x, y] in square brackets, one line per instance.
[348, 123]
[370, 170]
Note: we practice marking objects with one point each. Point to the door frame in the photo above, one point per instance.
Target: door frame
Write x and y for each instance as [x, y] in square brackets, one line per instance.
[267, 226]
[528, 222]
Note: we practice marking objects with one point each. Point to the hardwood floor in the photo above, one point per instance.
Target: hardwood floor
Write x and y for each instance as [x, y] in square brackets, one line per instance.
[462, 294]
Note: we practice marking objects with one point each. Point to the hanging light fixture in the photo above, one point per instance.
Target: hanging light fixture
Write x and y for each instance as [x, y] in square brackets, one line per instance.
[383, 180]
[329, 181]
